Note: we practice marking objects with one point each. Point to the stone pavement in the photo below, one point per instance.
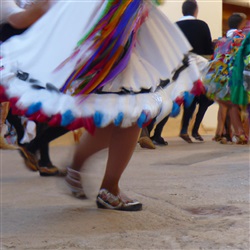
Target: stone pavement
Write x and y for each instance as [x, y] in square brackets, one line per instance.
[195, 196]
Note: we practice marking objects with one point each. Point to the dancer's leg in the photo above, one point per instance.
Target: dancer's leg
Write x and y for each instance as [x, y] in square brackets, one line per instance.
[221, 119]
[159, 127]
[204, 103]
[121, 143]
[44, 136]
[121, 147]
[4, 109]
[187, 115]
[89, 145]
[16, 122]
[236, 120]
[151, 126]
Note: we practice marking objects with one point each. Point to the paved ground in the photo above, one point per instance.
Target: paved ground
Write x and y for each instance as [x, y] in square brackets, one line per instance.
[195, 196]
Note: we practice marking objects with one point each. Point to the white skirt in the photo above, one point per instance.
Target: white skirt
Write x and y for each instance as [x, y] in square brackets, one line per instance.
[158, 53]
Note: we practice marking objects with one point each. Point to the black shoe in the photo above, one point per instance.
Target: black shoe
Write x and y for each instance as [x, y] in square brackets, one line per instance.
[186, 138]
[159, 141]
[197, 137]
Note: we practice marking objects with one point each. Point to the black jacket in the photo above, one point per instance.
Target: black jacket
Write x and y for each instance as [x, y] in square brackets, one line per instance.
[198, 34]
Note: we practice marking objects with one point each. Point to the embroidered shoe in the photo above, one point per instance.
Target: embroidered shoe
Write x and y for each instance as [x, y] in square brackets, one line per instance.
[106, 200]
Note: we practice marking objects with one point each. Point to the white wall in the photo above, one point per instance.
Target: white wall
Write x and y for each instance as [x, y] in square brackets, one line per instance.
[210, 11]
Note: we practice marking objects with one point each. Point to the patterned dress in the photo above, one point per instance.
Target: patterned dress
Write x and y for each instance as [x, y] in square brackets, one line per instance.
[219, 80]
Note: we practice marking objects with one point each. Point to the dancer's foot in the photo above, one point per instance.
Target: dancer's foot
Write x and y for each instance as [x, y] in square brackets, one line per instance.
[47, 169]
[158, 140]
[225, 140]
[30, 159]
[145, 142]
[197, 137]
[240, 139]
[73, 180]
[186, 138]
[5, 145]
[106, 200]
[217, 138]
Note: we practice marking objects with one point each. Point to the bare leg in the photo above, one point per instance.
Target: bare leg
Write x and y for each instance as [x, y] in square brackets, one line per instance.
[90, 145]
[4, 109]
[121, 143]
[236, 120]
[121, 148]
[222, 113]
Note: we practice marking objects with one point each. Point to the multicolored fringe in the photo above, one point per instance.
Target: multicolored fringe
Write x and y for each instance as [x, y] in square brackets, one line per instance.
[187, 98]
[158, 2]
[111, 39]
[217, 81]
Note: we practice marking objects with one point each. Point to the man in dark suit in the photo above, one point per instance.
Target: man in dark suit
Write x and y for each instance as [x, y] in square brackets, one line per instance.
[198, 34]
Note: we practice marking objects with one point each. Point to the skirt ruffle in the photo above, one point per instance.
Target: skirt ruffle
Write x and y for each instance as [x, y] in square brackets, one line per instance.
[158, 54]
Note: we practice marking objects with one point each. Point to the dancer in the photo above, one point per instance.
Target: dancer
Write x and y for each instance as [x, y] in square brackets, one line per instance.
[219, 80]
[15, 21]
[198, 34]
[109, 84]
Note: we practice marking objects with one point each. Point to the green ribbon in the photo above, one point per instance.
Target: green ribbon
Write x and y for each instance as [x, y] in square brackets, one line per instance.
[239, 94]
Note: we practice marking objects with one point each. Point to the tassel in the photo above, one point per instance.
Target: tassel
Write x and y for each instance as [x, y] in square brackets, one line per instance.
[175, 110]
[89, 125]
[33, 108]
[188, 99]
[55, 120]
[98, 116]
[198, 88]
[67, 118]
[118, 119]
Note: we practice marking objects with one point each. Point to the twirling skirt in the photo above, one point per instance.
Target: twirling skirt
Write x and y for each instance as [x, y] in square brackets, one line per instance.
[155, 78]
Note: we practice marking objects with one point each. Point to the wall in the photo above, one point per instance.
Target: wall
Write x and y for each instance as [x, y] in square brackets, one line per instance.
[229, 9]
[209, 11]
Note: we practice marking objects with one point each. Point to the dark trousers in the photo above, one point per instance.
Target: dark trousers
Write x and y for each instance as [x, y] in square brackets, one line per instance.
[159, 127]
[203, 103]
[43, 137]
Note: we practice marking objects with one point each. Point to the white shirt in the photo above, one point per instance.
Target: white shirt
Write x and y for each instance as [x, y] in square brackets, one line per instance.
[187, 18]
[230, 32]
[8, 7]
